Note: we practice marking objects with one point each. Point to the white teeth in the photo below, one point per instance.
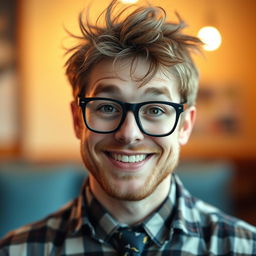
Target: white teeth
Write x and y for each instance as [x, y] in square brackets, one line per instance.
[129, 159]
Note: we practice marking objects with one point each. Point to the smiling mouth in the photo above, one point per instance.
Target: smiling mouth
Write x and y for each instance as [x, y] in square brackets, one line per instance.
[136, 158]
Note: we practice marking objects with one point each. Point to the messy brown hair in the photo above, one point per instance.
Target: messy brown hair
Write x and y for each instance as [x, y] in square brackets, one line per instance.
[134, 32]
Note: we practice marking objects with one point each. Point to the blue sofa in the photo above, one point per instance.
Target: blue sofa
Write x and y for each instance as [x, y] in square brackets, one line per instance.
[28, 192]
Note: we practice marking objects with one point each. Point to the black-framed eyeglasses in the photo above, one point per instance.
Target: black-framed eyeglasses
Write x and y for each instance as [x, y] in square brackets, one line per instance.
[154, 118]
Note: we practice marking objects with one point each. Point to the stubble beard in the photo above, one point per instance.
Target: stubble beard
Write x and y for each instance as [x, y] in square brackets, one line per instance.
[157, 176]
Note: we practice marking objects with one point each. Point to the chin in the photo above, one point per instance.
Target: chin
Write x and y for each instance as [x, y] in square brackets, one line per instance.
[131, 189]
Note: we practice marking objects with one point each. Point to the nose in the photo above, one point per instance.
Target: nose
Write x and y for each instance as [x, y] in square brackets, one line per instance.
[129, 131]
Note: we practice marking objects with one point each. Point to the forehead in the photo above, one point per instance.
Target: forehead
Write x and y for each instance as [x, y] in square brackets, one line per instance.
[111, 77]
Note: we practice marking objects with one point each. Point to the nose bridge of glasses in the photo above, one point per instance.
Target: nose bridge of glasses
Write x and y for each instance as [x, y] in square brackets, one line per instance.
[131, 107]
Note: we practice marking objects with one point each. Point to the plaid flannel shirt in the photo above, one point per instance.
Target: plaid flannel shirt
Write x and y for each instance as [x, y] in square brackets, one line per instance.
[182, 226]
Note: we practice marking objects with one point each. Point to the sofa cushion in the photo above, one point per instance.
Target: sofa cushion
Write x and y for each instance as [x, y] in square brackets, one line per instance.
[30, 192]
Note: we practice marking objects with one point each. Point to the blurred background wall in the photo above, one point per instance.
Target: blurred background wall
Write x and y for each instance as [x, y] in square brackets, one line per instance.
[227, 77]
[38, 101]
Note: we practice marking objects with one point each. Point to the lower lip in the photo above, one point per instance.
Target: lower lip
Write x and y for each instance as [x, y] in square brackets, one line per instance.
[128, 166]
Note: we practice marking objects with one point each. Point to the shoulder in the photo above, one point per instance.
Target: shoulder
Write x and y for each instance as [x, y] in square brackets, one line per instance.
[224, 232]
[42, 234]
[219, 233]
[215, 218]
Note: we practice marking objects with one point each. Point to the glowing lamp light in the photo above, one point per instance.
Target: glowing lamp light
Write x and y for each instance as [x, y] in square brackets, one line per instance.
[211, 37]
[129, 1]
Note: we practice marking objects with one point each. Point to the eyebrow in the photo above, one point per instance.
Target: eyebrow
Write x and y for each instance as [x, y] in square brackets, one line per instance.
[112, 89]
[106, 88]
[158, 91]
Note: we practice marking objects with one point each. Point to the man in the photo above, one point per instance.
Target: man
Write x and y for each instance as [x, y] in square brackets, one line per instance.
[134, 86]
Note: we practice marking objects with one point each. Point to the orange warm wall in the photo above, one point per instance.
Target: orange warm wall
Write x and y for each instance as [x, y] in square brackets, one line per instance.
[45, 93]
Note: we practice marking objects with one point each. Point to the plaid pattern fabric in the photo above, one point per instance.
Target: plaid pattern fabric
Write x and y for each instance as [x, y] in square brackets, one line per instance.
[157, 226]
[182, 226]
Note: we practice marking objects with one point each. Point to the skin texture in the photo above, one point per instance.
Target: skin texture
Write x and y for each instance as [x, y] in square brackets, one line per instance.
[130, 191]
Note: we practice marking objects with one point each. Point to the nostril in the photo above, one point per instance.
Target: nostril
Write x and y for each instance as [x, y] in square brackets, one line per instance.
[128, 137]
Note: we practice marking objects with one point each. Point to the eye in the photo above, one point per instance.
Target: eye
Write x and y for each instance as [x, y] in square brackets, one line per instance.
[155, 111]
[107, 108]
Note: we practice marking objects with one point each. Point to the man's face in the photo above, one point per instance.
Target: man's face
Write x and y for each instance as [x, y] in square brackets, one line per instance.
[106, 155]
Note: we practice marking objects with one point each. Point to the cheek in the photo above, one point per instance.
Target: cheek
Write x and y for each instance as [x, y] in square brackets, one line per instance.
[168, 144]
[88, 149]
[90, 139]
[169, 151]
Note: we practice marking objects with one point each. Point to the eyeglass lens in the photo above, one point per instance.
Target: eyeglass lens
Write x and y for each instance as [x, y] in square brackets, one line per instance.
[106, 115]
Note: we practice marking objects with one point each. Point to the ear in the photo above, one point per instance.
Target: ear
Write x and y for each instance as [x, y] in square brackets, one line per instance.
[187, 124]
[77, 119]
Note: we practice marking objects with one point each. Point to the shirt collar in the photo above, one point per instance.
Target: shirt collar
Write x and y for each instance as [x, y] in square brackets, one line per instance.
[157, 225]
[88, 215]
[186, 217]
[79, 212]
[103, 222]
[176, 212]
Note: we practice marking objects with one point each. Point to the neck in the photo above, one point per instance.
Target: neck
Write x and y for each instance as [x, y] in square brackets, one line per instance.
[132, 212]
